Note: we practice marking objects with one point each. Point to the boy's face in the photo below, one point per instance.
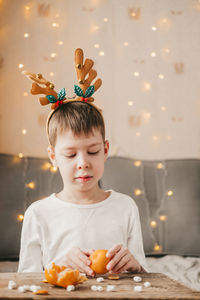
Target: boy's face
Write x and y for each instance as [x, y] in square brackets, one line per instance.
[80, 159]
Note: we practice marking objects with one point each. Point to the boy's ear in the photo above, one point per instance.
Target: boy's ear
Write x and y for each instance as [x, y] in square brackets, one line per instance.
[52, 156]
[106, 149]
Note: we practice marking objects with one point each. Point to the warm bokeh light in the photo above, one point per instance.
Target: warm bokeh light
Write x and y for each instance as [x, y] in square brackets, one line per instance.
[46, 166]
[53, 169]
[130, 103]
[21, 155]
[60, 43]
[26, 35]
[24, 131]
[153, 223]
[20, 217]
[163, 218]
[20, 66]
[147, 86]
[160, 166]
[31, 185]
[157, 248]
[136, 74]
[125, 43]
[137, 163]
[170, 193]
[138, 133]
[101, 53]
[137, 192]
[96, 46]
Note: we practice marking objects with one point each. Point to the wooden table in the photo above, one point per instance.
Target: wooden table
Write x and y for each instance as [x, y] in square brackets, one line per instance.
[162, 287]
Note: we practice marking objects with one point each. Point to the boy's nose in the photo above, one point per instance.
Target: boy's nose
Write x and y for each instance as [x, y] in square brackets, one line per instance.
[83, 164]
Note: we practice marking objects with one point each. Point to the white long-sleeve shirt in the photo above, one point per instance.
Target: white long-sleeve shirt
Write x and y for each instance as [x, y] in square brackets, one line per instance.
[51, 227]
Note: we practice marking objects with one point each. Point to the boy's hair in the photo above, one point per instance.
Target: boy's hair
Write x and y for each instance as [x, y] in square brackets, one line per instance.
[79, 117]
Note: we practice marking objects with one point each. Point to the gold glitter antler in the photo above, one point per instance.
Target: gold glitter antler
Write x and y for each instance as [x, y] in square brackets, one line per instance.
[37, 89]
[83, 70]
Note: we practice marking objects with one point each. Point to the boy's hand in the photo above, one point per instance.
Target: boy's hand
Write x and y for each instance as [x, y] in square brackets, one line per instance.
[79, 259]
[122, 260]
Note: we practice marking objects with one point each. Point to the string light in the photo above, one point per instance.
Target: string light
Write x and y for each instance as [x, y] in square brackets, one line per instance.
[130, 103]
[53, 169]
[46, 166]
[146, 115]
[160, 166]
[153, 224]
[101, 53]
[166, 50]
[136, 74]
[157, 248]
[20, 217]
[162, 218]
[137, 163]
[96, 46]
[154, 28]
[161, 76]
[27, 7]
[26, 35]
[21, 155]
[153, 54]
[163, 108]
[155, 137]
[31, 185]
[137, 192]
[147, 86]
[53, 55]
[20, 66]
[55, 25]
[170, 193]
[24, 131]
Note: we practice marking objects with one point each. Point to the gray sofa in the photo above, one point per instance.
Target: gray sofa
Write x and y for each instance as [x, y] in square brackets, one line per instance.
[167, 194]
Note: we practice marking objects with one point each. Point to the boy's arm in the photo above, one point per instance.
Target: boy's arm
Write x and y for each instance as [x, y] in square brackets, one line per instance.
[30, 259]
[135, 242]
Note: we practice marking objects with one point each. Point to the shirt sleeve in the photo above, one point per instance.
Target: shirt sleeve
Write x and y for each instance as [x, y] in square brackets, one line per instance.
[135, 241]
[30, 259]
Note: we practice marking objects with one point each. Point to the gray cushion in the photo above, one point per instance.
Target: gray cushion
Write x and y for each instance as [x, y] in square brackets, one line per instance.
[16, 197]
[180, 233]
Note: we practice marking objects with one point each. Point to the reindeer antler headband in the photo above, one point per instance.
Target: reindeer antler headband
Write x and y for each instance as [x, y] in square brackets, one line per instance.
[83, 91]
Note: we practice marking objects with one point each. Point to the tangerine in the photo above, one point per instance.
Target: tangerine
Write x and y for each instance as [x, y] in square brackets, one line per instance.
[99, 261]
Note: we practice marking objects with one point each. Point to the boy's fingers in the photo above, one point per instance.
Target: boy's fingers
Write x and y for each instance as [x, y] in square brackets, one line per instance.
[112, 251]
[116, 259]
[88, 251]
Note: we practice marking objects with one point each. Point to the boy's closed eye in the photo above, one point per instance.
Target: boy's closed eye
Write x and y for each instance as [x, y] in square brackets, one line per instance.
[89, 152]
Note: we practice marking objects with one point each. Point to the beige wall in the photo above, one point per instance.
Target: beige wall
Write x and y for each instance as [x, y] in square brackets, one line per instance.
[163, 121]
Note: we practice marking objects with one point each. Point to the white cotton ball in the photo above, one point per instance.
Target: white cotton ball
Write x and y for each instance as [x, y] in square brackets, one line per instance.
[138, 288]
[94, 288]
[21, 289]
[137, 278]
[99, 288]
[147, 284]
[100, 279]
[34, 288]
[110, 288]
[12, 285]
[70, 288]
[26, 287]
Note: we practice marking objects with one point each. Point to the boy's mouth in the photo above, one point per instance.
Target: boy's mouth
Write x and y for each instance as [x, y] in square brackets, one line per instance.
[84, 178]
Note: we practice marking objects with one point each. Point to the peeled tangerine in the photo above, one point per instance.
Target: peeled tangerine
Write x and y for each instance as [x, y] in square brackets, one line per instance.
[63, 276]
[99, 261]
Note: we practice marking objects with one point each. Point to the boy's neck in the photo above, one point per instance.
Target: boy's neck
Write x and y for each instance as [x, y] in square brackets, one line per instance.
[83, 197]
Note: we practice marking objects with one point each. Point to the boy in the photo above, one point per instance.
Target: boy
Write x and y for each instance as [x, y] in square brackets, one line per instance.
[65, 228]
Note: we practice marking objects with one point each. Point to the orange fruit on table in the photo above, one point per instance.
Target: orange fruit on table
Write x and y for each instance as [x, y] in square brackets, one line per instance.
[99, 261]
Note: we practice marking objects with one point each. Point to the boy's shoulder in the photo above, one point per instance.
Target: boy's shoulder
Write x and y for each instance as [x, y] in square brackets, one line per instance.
[40, 204]
[124, 199]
